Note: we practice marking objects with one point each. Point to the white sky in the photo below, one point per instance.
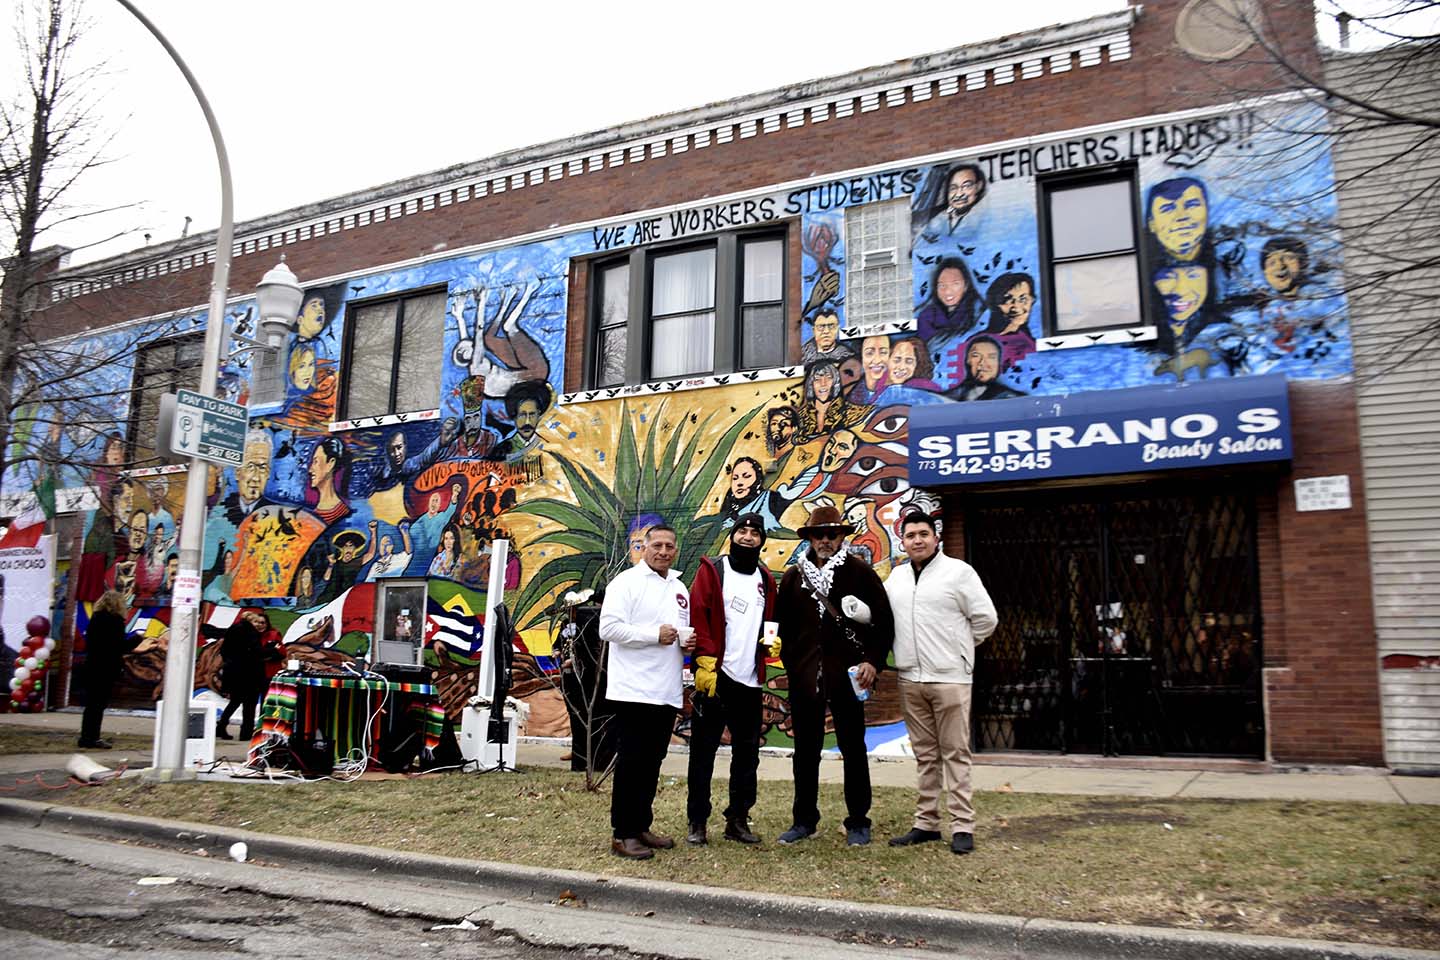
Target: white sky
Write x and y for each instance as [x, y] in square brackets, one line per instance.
[321, 97]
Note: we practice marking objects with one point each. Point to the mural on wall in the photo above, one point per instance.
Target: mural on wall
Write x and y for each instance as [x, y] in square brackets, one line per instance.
[1239, 271]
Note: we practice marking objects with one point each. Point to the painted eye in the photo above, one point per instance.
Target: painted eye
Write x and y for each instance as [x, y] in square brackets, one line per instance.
[866, 466]
[886, 487]
[891, 425]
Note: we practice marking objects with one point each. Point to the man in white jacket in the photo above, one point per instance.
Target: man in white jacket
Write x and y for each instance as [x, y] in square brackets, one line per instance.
[941, 612]
[646, 620]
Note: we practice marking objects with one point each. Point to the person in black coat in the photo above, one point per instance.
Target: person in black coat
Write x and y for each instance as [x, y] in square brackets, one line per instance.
[242, 665]
[105, 643]
[818, 651]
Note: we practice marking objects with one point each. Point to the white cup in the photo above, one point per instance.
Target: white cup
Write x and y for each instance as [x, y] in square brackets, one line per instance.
[294, 666]
[772, 629]
[687, 635]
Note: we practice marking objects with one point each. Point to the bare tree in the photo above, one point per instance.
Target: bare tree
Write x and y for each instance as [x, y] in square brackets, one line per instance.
[1367, 97]
[51, 135]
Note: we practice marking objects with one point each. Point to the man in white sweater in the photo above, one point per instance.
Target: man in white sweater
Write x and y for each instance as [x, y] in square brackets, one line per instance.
[941, 612]
[645, 613]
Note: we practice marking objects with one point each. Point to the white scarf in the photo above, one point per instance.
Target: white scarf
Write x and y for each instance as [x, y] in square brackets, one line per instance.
[823, 578]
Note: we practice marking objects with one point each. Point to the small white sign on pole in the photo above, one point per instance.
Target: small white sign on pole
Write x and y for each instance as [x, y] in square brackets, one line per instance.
[1322, 493]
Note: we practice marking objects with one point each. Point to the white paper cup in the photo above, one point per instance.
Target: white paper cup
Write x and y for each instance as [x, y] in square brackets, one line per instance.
[772, 629]
[687, 634]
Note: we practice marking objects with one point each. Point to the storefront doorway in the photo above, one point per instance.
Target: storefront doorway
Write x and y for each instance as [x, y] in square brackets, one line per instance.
[1129, 620]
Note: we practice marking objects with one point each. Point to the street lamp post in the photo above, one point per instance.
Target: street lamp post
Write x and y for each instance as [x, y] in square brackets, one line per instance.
[278, 289]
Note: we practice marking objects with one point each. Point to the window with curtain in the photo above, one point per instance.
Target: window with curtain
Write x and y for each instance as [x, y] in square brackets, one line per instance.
[682, 314]
[392, 362]
[710, 307]
[1093, 266]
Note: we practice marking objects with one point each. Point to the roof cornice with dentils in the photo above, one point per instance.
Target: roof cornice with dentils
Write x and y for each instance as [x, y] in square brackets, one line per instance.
[965, 69]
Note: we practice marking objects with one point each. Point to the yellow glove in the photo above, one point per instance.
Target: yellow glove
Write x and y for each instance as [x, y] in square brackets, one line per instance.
[775, 647]
[705, 676]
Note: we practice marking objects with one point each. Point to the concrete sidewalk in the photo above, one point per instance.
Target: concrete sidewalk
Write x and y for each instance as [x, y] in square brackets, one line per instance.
[1159, 777]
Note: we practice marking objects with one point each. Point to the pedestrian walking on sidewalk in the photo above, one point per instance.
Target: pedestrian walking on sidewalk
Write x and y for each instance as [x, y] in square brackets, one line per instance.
[730, 601]
[242, 669]
[105, 644]
[941, 612]
[646, 620]
[833, 616]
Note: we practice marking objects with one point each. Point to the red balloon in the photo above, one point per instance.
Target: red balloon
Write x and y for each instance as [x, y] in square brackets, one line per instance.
[26, 686]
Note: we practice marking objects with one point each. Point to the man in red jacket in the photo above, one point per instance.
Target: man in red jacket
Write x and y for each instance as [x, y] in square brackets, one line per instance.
[730, 601]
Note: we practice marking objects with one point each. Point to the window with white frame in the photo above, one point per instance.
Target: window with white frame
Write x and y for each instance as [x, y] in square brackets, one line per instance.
[715, 306]
[1092, 262]
[877, 262]
[393, 355]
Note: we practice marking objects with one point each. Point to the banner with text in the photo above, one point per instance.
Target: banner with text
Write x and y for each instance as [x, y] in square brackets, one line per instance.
[1205, 424]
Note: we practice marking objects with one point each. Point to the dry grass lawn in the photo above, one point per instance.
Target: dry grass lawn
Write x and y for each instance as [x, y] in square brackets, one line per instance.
[1342, 871]
[17, 739]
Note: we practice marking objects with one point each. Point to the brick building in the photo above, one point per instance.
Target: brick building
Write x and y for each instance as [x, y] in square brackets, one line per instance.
[796, 297]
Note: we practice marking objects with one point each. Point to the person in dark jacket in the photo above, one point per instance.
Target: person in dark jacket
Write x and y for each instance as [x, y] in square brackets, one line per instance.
[243, 670]
[105, 643]
[730, 601]
[819, 648]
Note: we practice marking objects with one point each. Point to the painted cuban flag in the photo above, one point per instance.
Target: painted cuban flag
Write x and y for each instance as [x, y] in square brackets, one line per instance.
[455, 625]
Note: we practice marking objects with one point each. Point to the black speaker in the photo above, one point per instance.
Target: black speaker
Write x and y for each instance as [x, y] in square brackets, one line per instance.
[315, 755]
[400, 740]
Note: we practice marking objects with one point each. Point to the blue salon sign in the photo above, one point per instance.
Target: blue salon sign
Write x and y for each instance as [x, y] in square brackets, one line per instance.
[1206, 424]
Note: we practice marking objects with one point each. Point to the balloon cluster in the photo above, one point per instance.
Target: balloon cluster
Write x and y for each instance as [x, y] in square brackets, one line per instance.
[27, 685]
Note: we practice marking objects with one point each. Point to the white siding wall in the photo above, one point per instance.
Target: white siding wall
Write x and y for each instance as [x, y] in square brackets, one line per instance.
[1389, 182]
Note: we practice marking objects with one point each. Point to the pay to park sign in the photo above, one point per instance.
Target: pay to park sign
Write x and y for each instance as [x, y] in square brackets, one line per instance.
[208, 428]
[1207, 424]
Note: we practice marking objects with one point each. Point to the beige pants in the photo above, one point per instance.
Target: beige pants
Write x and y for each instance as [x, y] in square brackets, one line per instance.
[937, 716]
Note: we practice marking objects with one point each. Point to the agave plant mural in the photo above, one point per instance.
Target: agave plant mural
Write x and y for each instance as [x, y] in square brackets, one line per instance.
[596, 524]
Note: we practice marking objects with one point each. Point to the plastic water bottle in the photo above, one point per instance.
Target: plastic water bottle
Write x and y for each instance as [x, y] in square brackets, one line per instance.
[861, 693]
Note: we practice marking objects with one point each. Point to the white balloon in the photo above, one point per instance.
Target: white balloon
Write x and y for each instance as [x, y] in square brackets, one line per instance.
[14, 683]
[31, 662]
[49, 643]
[42, 655]
[22, 674]
[239, 852]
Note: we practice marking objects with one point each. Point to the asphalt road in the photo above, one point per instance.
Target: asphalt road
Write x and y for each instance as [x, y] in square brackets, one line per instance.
[76, 897]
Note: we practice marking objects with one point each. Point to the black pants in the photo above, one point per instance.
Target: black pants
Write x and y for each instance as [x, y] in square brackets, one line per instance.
[807, 721]
[97, 698]
[246, 700]
[738, 707]
[645, 730]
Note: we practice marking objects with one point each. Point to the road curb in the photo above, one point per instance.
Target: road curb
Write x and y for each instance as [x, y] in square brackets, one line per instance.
[986, 935]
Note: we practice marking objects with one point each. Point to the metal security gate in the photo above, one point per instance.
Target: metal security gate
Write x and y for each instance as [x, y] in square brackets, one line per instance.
[1129, 621]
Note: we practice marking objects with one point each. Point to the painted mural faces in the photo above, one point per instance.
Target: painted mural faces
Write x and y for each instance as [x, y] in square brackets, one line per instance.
[315, 518]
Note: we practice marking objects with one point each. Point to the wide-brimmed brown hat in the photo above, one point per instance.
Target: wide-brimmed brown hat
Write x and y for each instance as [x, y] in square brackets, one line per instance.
[826, 519]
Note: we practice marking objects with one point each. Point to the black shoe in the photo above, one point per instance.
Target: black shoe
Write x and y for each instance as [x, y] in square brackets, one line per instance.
[223, 734]
[857, 836]
[95, 745]
[913, 836]
[795, 834]
[697, 835]
[738, 829]
[962, 843]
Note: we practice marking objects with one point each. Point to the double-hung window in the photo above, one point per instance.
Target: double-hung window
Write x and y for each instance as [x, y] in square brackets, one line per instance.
[699, 308]
[392, 355]
[1092, 263]
[160, 368]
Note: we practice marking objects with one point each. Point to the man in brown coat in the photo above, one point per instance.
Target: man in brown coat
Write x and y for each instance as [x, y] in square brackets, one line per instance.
[833, 615]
